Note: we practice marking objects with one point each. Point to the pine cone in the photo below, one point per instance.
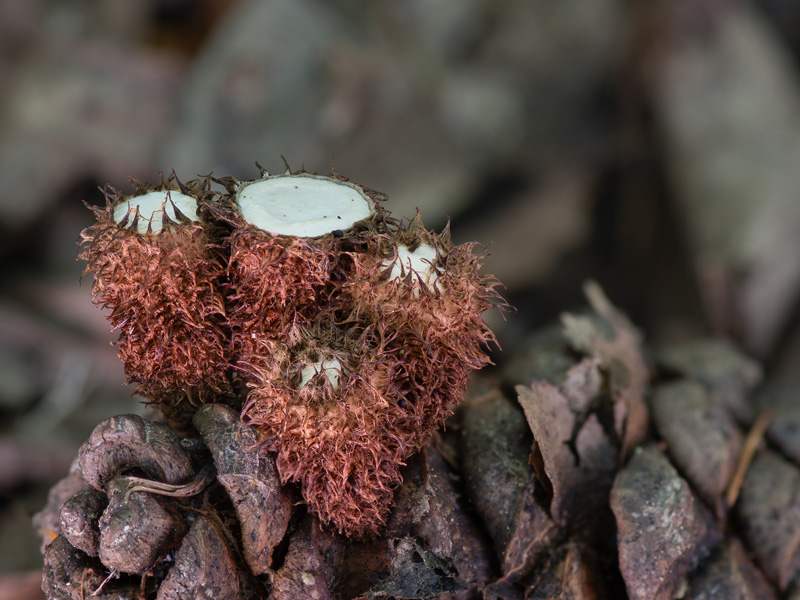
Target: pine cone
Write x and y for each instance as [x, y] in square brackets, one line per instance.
[613, 504]
[166, 518]
[156, 518]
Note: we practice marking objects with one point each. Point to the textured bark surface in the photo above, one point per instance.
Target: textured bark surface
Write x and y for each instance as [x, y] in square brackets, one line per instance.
[262, 506]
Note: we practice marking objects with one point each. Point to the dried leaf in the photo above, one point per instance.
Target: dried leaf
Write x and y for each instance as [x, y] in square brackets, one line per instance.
[574, 458]
[662, 529]
[615, 342]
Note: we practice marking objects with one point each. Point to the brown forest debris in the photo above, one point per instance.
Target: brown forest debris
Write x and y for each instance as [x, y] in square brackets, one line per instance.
[615, 342]
[702, 437]
[769, 511]
[662, 529]
[134, 524]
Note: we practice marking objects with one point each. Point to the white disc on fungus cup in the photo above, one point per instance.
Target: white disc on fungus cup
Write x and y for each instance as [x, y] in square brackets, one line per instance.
[303, 205]
[151, 207]
[156, 268]
[331, 368]
[420, 261]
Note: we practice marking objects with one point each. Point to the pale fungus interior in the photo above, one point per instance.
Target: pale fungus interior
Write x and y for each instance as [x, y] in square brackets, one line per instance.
[332, 369]
[303, 205]
[421, 261]
[152, 206]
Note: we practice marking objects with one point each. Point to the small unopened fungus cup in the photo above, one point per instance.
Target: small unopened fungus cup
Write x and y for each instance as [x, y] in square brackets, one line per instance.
[157, 266]
[356, 333]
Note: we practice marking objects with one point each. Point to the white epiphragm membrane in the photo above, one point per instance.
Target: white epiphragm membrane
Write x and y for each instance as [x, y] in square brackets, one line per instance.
[303, 205]
[151, 207]
[331, 368]
[421, 261]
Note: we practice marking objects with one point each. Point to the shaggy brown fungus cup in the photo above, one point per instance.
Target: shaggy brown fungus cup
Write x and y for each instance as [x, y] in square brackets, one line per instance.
[156, 264]
[286, 250]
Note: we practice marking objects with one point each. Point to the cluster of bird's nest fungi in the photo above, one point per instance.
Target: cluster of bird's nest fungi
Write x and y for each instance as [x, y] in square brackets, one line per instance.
[340, 336]
[302, 346]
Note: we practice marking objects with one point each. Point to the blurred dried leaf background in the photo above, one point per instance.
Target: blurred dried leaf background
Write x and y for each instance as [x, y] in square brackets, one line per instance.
[652, 145]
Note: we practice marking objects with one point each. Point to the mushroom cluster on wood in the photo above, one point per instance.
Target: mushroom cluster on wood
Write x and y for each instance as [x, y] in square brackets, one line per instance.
[353, 332]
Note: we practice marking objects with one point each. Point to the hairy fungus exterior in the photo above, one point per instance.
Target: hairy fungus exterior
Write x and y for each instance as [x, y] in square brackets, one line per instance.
[354, 332]
[356, 343]
[157, 266]
[286, 252]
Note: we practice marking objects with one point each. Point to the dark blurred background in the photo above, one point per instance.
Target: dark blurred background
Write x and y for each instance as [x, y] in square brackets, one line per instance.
[652, 145]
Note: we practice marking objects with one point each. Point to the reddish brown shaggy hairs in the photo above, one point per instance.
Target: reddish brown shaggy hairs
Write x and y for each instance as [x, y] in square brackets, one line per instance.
[277, 286]
[345, 447]
[280, 285]
[162, 291]
[405, 362]
[443, 316]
